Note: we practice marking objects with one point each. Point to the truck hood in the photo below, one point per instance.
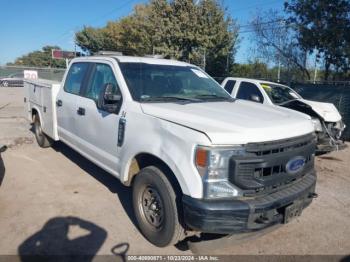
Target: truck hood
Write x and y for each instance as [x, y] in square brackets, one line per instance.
[239, 122]
[327, 111]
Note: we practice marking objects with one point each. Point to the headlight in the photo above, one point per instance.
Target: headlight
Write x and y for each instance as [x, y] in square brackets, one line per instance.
[317, 124]
[340, 125]
[338, 129]
[213, 165]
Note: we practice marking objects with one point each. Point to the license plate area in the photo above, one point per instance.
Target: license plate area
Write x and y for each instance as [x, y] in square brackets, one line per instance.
[292, 211]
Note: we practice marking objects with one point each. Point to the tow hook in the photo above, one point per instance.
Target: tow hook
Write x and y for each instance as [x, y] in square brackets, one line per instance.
[2, 148]
[262, 220]
[313, 195]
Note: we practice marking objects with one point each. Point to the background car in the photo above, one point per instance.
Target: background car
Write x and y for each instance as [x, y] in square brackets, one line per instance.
[326, 118]
[13, 80]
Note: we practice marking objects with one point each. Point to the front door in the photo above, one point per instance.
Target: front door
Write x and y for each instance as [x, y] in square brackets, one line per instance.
[98, 129]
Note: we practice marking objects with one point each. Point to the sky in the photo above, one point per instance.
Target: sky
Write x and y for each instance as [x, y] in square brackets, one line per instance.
[29, 25]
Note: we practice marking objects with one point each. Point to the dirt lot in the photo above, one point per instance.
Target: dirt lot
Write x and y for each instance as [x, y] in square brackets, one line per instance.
[54, 201]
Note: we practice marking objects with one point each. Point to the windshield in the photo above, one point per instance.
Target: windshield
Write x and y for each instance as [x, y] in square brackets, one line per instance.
[279, 94]
[166, 83]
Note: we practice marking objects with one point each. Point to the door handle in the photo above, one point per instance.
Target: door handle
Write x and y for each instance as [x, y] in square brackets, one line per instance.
[59, 102]
[81, 111]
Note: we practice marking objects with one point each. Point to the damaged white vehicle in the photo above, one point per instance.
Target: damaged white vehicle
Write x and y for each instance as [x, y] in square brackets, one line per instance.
[325, 116]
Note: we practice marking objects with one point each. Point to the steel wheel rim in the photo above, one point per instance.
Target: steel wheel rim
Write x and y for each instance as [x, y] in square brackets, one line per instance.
[151, 207]
[38, 130]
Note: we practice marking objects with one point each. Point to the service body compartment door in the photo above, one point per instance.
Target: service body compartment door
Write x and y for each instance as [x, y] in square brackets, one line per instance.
[35, 94]
[40, 96]
[49, 115]
[27, 108]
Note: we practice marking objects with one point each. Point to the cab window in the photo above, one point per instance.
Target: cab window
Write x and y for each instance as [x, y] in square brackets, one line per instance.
[75, 78]
[249, 91]
[102, 75]
[230, 84]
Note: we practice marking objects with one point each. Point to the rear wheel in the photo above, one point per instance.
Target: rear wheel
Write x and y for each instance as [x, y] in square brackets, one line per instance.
[42, 139]
[154, 202]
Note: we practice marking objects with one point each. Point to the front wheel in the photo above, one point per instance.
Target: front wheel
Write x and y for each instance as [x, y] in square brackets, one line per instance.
[154, 202]
[42, 139]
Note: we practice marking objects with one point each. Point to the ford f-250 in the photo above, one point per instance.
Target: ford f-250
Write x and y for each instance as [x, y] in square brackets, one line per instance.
[197, 159]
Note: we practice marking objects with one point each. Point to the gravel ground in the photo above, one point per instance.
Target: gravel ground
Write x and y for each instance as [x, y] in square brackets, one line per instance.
[55, 201]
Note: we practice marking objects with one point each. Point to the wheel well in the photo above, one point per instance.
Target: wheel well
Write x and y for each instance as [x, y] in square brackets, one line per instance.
[34, 112]
[143, 160]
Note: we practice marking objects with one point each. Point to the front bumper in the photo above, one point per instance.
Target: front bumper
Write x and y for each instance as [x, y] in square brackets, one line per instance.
[2, 167]
[329, 139]
[247, 214]
[328, 145]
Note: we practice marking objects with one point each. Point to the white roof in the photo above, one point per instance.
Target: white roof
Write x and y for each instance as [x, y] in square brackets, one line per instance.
[251, 80]
[149, 60]
[135, 59]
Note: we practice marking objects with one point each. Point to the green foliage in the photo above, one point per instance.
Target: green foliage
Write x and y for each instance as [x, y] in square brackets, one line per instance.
[255, 69]
[201, 33]
[260, 70]
[90, 39]
[323, 26]
[42, 58]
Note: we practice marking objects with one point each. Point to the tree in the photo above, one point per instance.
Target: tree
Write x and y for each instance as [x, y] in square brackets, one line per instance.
[255, 69]
[42, 58]
[323, 26]
[199, 32]
[90, 39]
[276, 44]
[218, 37]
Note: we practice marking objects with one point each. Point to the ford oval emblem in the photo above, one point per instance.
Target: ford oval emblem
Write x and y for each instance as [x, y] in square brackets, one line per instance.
[295, 165]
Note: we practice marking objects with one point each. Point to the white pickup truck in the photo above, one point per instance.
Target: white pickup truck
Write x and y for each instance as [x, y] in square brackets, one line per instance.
[197, 159]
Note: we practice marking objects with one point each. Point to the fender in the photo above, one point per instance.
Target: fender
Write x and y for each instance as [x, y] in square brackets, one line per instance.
[171, 143]
[37, 109]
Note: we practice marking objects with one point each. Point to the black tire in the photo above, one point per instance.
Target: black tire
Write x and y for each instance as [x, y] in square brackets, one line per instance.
[5, 84]
[42, 139]
[161, 231]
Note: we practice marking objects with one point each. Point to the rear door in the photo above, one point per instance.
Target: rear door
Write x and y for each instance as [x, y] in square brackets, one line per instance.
[98, 129]
[249, 91]
[66, 102]
[229, 86]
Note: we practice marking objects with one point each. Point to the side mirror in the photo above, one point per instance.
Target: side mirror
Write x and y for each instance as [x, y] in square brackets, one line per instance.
[108, 94]
[255, 98]
[108, 100]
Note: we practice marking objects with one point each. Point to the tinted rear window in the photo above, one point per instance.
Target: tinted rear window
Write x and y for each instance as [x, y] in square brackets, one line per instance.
[230, 85]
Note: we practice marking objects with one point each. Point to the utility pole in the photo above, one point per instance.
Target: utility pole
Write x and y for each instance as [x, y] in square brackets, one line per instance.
[204, 60]
[279, 54]
[279, 61]
[315, 73]
[227, 63]
[75, 48]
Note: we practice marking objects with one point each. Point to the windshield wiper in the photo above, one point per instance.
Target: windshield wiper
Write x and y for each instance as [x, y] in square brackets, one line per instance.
[213, 96]
[169, 98]
[287, 102]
